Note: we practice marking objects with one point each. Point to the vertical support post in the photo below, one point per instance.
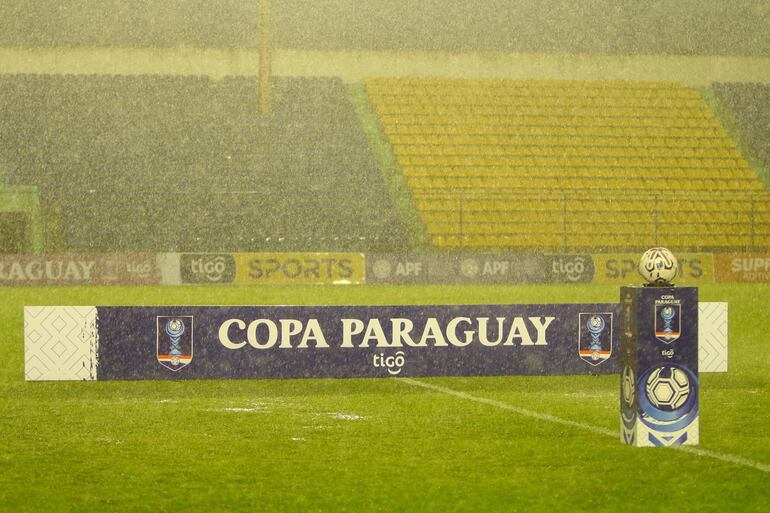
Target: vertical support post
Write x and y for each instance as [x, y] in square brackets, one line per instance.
[462, 219]
[564, 221]
[753, 224]
[36, 228]
[265, 58]
[655, 220]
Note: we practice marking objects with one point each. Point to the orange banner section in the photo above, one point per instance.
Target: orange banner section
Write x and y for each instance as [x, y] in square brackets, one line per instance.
[621, 268]
[742, 267]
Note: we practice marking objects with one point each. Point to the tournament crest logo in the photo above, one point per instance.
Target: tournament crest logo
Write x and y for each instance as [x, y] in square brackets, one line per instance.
[595, 337]
[668, 322]
[174, 347]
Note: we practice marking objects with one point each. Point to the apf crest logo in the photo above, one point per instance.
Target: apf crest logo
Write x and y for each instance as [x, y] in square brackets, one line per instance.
[668, 322]
[595, 337]
[174, 341]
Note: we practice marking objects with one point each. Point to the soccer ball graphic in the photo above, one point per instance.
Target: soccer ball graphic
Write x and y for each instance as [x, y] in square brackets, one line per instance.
[658, 266]
[596, 324]
[667, 388]
[175, 327]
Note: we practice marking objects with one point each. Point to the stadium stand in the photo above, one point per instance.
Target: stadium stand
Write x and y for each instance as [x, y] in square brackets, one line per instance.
[182, 163]
[570, 165]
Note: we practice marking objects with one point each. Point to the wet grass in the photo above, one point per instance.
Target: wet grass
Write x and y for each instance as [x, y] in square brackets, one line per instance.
[370, 445]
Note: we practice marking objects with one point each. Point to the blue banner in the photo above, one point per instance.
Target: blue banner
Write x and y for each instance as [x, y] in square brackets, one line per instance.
[226, 342]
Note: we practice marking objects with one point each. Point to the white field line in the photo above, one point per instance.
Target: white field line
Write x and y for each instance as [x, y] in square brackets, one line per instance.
[728, 458]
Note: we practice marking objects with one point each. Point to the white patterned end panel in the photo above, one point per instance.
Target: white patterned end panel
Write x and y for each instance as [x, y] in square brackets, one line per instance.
[60, 343]
[712, 337]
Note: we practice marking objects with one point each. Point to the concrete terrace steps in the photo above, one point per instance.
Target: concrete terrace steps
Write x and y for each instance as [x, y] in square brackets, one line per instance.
[109, 152]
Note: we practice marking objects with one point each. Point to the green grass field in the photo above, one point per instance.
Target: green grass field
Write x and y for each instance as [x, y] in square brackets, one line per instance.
[464, 444]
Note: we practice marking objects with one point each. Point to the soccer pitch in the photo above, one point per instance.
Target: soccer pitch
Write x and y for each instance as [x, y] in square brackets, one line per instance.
[440, 444]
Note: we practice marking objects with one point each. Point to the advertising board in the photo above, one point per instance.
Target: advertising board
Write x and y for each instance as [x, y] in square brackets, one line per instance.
[621, 268]
[299, 268]
[207, 268]
[79, 269]
[492, 268]
[235, 342]
[742, 267]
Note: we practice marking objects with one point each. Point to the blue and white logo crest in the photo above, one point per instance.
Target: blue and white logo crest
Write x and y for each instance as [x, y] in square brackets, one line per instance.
[668, 322]
[595, 337]
[174, 341]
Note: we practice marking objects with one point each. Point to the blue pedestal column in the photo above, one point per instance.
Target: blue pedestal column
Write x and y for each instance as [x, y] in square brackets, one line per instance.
[659, 366]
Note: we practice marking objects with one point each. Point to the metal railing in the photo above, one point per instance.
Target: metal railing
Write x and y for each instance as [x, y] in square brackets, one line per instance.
[567, 222]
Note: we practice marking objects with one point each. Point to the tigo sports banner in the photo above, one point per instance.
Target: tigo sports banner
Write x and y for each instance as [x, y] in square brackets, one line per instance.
[621, 268]
[206, 268]
[229, 342]
[299, 268]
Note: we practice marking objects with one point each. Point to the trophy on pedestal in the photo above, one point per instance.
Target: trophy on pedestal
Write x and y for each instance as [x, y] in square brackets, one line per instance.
[659, 357]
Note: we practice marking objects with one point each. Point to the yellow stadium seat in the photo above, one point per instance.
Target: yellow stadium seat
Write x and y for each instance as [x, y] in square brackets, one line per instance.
[606, 148]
